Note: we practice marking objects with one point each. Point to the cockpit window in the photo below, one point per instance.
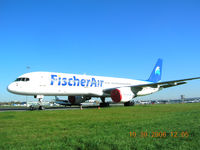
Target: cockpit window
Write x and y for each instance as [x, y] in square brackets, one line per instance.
[23, 79]
[17, 79]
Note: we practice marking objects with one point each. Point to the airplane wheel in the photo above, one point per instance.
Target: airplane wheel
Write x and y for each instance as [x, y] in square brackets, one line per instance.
[104, 104]
[129, 103]
[31, 108]
[41, 108]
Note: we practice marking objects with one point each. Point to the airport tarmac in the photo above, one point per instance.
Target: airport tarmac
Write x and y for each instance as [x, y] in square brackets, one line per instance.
[48, 108]
[3, 109]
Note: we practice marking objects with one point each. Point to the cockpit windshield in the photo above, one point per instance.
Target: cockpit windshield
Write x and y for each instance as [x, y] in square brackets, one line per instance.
[22, 79]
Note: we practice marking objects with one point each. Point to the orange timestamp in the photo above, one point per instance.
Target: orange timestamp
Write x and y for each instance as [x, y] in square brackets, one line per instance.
[160, 134]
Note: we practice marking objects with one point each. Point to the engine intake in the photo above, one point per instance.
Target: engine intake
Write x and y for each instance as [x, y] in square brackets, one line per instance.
[122, 94]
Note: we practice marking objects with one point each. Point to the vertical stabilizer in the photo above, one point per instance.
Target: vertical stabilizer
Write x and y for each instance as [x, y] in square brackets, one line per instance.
[157, 72]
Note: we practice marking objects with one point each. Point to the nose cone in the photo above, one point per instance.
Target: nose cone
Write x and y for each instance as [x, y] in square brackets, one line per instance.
[11, 88]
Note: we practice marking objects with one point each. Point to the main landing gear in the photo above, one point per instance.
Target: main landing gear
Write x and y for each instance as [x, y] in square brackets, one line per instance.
[129, 103]
[104, 104]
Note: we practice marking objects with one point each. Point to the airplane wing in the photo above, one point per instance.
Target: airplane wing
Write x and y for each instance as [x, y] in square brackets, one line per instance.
[165, 84]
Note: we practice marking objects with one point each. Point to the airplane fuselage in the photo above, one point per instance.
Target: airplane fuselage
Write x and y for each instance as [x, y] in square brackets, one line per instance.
[63, 84]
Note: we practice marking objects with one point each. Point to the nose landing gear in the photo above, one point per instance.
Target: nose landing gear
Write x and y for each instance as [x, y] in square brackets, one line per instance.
[40, 99]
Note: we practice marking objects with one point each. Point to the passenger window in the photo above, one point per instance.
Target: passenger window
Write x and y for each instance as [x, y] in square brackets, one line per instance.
[27, 79]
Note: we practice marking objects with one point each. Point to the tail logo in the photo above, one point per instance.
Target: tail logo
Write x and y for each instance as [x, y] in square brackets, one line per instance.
[157, 70]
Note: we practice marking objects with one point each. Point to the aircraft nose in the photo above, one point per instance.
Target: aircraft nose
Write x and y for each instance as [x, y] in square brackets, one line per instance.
[11, 88]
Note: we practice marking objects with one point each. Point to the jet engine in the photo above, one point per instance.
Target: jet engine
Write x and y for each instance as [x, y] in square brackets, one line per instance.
[76, 100]
[123, 94]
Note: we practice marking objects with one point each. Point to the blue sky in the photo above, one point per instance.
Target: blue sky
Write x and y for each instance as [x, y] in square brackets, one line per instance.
[106, 38]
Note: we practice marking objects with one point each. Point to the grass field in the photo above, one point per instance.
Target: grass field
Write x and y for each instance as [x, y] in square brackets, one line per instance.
[170, 126]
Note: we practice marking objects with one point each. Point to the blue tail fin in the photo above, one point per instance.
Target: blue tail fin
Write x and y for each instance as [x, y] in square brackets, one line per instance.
[157, 72]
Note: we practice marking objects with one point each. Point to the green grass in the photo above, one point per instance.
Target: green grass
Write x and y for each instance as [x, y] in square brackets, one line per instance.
[107, 128]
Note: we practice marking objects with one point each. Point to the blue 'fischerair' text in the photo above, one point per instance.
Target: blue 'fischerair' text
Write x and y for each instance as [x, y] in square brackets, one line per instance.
[74, 81]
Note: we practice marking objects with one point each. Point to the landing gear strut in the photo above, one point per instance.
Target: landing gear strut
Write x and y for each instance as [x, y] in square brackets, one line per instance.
[40, 104]
[40, 99]
[104, 104]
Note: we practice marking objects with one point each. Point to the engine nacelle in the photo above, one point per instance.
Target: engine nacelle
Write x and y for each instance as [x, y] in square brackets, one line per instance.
[75, 100]
[123, 94]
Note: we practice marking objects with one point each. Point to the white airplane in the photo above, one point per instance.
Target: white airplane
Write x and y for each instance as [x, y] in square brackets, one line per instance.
[80, 88]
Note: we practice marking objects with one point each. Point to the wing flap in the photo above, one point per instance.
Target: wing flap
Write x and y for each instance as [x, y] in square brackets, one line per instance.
[171, 85]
